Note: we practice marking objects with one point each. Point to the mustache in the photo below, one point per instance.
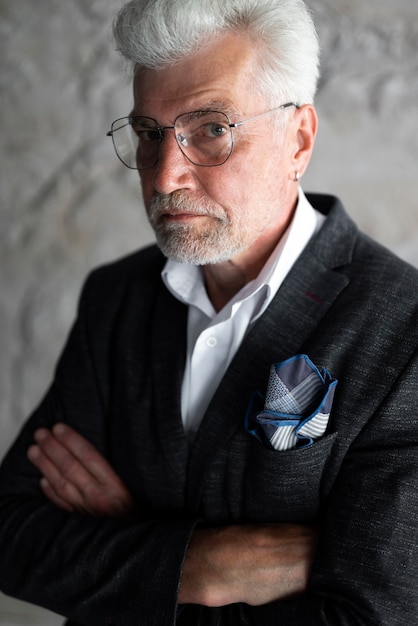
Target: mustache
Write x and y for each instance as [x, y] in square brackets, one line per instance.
[180, 202]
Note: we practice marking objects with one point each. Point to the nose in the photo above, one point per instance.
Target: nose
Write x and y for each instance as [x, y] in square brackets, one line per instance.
[173, 170]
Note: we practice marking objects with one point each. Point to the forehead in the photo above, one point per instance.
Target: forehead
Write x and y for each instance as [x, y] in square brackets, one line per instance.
[222, 72]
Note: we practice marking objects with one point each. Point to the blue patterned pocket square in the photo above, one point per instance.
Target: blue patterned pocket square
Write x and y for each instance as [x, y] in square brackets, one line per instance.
[297, 405]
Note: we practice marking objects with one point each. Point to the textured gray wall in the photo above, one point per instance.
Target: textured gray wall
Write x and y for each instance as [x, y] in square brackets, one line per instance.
[67, 204]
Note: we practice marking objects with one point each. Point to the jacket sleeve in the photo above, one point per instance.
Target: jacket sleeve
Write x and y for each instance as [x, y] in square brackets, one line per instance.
[95, 571]
[101, 571]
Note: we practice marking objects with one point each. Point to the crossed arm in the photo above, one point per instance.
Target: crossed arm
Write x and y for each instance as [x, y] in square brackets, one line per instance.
[251, 563]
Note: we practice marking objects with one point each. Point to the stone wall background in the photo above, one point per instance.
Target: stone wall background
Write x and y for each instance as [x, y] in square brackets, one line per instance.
[67, 204]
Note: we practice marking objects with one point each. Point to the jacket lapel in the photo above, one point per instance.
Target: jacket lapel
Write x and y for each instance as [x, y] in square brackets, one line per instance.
[168, 359]
[305, 296]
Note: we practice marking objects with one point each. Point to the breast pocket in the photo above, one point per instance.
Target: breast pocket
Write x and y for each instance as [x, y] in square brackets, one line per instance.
[282, 486]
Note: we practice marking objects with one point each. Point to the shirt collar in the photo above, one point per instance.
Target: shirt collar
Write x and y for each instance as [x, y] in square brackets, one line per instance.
[186, 283]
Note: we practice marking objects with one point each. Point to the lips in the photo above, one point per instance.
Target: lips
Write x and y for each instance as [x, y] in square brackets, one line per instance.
[183, 215]
[179, 208]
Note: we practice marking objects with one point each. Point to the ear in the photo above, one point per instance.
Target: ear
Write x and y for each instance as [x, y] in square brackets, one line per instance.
[305, 129]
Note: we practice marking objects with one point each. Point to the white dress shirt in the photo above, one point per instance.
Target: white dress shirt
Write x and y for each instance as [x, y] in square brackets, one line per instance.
[214, 338]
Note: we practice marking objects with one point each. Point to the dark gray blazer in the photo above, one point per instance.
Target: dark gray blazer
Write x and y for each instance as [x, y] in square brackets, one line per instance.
[347, 303]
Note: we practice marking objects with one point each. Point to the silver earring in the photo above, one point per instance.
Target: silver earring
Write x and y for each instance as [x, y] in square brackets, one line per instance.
[297, 177]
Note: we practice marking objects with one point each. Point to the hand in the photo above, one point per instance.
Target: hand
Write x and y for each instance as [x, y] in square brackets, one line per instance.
[251, 563]
[76, 477]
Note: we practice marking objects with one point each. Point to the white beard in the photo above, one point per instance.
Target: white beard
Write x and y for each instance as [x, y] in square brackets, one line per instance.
[197, 244]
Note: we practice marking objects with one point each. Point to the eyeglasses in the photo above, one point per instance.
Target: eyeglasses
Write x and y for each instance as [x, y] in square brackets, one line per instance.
[204, 137]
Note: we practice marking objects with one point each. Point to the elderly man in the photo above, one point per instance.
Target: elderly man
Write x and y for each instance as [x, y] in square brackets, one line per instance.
[231, 434]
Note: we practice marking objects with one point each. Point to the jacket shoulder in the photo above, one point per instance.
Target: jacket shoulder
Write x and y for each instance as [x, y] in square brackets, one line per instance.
[136, 266]
[141, 269]
[131, 280]
[343, 246]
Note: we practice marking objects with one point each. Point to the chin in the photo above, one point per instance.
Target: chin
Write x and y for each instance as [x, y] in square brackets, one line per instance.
[195, 254]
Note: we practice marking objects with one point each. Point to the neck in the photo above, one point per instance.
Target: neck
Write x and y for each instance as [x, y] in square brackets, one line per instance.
[224, 280]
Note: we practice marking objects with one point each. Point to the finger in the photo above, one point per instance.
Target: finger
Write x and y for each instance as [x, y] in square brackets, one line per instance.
[70, 462]
[68, 496]
[54, 498]
[66, 474]
[90, 458]
[119, 497]
[56, 481]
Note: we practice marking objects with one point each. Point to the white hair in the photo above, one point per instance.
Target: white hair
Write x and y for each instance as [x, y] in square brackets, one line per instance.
[157, 33]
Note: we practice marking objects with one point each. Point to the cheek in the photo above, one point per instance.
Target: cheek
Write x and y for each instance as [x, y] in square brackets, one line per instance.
[145, 179]
[236, 181]
[249, 186]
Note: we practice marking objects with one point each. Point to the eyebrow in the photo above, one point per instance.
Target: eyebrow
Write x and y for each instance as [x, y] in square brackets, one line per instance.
[222, 107]
[212, 105]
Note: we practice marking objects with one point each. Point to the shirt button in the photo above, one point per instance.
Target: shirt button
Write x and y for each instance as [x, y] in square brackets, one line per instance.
[211, 342]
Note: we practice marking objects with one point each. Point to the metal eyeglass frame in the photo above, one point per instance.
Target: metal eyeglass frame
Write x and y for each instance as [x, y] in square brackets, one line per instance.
[160, 130]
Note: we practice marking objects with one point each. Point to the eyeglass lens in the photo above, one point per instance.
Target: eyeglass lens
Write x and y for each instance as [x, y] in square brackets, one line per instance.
[204, 137]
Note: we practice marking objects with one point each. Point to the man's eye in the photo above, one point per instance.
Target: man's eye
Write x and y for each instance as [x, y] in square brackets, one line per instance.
[216, 130]
[147, 135]
[211, 130]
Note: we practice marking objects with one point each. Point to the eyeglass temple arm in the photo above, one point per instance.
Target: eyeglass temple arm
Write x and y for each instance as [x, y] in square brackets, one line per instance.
[283, 106]
[159, 128]
[250, 119]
